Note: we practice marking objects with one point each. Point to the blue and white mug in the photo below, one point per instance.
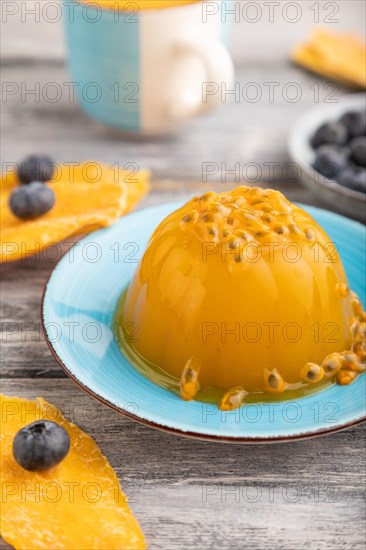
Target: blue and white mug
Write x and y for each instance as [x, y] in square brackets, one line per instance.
[146, 71]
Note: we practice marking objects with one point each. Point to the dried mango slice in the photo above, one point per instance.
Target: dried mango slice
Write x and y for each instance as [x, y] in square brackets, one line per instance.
[88, 196]
[338, 56]
[77, 504]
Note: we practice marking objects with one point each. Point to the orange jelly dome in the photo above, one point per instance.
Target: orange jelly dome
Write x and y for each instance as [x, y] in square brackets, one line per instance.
[241, 291]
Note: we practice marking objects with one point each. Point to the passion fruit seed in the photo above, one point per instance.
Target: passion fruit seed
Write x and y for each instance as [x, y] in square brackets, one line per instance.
[361, 332]
[295, 230]
[261, 234]
[345, 377]
[359, 348]
[350, 359]
[221, 209]
[189, 384]
[358, 367]
[250, 217]
[353, 362]
[281, 229]
[274, 381]
[310, 234]
[209, 218]
[311, 372]
[212, 230]
[357, 305]
[332, 364]
[342, 290]
[244, 236]
[233, 243]
[354, 327]
[206, 197]
[233, 399]
[191, 216]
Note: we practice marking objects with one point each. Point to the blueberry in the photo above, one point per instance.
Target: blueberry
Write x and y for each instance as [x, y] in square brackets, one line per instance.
[36, 168]
[330, 133]
[358, 150]
[353, 177]
[355, 122]
[40, 445]
[30, 201]
[330, 159]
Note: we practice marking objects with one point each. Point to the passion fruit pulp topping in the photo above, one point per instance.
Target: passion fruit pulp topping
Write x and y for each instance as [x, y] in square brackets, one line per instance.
[245, 215]
[245, 292]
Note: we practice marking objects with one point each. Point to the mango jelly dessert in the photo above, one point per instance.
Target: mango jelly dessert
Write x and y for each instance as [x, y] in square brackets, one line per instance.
[77, 504]
[244, 292]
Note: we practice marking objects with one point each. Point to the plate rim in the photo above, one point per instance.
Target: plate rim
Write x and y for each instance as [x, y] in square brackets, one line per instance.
[169, 429]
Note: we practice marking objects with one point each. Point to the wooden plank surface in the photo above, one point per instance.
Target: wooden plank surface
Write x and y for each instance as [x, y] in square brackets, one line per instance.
[246, 137]
[186, 494]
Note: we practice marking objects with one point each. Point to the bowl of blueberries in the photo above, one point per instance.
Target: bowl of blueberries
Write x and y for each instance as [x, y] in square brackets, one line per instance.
[329, 145]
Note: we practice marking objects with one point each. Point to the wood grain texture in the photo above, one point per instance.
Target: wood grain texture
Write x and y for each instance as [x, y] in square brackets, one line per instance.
[41, 36]
[186, 494]
[245, 138]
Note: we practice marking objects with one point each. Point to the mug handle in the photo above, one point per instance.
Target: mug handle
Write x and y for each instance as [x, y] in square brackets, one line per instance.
[219, 69]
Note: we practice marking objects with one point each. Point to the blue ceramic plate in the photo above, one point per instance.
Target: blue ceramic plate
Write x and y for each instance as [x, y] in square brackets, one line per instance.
[78, 315]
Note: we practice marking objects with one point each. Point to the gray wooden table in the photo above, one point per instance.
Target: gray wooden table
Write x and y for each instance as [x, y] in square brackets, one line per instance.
[185, 493]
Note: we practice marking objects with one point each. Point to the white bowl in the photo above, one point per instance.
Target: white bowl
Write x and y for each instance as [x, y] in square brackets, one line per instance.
[339, 198]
